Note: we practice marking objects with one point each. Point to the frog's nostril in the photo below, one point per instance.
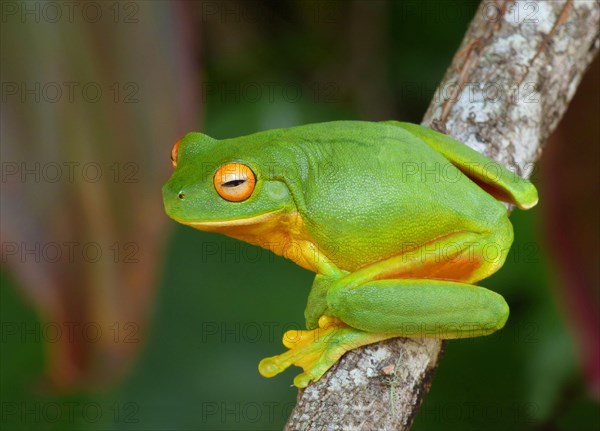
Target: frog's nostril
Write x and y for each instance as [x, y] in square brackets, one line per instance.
[181, 195]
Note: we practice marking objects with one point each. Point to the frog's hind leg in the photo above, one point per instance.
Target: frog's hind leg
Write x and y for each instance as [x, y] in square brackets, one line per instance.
[419, 308]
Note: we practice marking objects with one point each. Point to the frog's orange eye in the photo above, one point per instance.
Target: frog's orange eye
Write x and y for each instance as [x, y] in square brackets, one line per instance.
[174, 152]
[234, 182]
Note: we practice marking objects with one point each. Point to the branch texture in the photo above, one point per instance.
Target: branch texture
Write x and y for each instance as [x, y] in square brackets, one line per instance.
[504, 93]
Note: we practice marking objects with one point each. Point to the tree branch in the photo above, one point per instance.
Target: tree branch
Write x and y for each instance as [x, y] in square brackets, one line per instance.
[508, 86]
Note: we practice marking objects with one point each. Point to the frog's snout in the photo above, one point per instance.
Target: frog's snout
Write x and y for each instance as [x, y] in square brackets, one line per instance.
[170, 191]
[173, 197]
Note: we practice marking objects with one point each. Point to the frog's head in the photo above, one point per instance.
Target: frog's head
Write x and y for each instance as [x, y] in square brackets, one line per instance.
[221, 184]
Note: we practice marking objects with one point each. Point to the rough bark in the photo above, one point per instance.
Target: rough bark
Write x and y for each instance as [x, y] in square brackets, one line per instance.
[509, 84]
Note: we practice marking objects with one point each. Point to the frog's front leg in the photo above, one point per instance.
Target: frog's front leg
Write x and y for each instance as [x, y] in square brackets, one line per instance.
[317, 350]
[316, 306]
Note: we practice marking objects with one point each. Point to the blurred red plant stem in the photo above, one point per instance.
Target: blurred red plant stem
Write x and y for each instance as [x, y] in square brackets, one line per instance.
[571, 219]
[557, 48]
[147, 82]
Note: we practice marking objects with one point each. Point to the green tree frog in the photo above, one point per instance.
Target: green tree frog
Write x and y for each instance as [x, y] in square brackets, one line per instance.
[399, 222]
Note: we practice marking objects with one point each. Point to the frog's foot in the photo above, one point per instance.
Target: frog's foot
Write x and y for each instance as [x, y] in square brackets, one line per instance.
[317, 350]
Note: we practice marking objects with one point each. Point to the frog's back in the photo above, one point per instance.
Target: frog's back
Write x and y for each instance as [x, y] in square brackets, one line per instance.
[372, 190]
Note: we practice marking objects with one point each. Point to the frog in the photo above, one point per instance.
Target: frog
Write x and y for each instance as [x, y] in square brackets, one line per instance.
[399, 223]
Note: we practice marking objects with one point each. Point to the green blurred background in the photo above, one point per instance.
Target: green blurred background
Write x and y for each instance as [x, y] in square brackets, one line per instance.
[184, 317]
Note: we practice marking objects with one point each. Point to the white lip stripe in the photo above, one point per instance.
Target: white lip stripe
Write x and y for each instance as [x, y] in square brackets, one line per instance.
[224, 223]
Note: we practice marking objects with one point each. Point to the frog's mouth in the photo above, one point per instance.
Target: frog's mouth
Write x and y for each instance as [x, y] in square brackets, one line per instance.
[220, 225]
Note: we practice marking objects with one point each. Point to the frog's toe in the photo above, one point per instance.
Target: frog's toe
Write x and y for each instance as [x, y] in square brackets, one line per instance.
[306, 348]
[297, 339]
[327, 325]
[319, 366]
[272, 366]
[302, 380]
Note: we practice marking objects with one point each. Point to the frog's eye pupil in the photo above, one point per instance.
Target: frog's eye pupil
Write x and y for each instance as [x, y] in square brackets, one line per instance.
[234, 182]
